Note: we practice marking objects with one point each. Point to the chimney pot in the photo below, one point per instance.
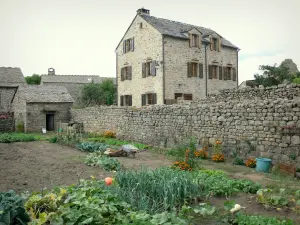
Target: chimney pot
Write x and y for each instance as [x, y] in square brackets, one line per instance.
[143, 11]
[51, 71]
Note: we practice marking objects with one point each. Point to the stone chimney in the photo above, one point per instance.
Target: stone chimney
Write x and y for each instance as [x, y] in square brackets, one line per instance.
[143, 11]
[51, 71]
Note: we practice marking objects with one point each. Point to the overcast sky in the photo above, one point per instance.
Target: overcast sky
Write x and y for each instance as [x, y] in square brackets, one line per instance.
[80, 36]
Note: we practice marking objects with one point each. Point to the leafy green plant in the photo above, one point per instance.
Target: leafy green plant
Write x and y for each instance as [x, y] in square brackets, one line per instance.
[20, 126]
[17, 137]
[69, 138]
[267, 198]
[53, 139]
[116, 142]
[12, 211]
[205, 210]
[242, 219]
[238, 161]
[97, 159]
[92, 147]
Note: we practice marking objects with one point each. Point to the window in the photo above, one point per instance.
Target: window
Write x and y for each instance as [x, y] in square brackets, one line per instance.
[149, 69]
[228, 73]
[126, 100]
[192, 69]
[149, 99]
[183, 96]
[141, 25]
[215, 44]
[213, 72]
[220, 73]
[126, 73]
[194, 40]
[128, 45]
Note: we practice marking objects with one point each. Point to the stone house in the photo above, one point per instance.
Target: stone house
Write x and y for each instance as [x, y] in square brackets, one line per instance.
[41, 106]
[10, 78]
[159, 61]
[73, 83]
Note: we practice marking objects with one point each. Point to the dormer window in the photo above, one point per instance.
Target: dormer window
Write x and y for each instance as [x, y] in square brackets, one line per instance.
[215, 44]
[128, 45]
[194, 40]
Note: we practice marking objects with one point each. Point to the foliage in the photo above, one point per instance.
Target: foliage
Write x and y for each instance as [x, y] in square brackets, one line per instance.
[17, 137]
[182, 166]
[35, 79]
[238, 161]
[12, 211]
[97, 159]
[20, 126]
[113, 141]
[69, 138]
[296, 80]
[202, 153]
[242, 219]
[109, 134]
[218, 156]
[53, 139]
[99, 93]
[205, 210]
[92, 147]
[267, 198]
[273, 75]
[251, 163]
[156, 190]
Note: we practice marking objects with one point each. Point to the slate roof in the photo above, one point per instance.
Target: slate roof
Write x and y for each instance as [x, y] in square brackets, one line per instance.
[80, 79]
[44, 94]
[177, 29]
[11, 76]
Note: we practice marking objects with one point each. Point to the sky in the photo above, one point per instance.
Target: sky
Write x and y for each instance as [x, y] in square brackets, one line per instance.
[80, 36]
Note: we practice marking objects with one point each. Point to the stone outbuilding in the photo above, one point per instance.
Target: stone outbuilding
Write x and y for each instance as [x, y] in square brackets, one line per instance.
[38, 106]
[10, 78]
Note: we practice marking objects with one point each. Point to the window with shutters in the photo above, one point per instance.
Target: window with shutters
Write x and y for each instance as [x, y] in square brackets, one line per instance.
[192, 69]
[149, 69]
[214, 44]
[149, 99]
[126, 100]
[128, 45]
[126, 73]
[194, 40]
[228, 73]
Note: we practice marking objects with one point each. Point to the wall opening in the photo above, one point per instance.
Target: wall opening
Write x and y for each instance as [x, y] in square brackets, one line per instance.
[50, 121]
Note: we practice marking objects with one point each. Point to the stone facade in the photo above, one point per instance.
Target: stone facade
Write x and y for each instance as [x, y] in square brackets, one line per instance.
[6, 96]
[171, 55]
[255, 122]
[36, 114]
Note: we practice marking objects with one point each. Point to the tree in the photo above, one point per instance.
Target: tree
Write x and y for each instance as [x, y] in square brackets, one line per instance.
[35, 79]
[273, 75]
[98, 94]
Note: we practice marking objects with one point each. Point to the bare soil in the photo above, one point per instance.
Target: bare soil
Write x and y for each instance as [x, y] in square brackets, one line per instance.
[32, 166]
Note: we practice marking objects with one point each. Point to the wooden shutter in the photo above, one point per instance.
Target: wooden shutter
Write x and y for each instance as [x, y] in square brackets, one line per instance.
[219, 44]
[143, 99]
[190, 40]
[132, 44]
[210, 72]
[122, 73]
[121, 100]
[154, 98]
[200, 70]
[225, 72]
[229, 75]
[130, 73]
[199, 41]
[211, 44]
[143, 70]
[124, 46]
[233, 74]
[220, 73]
[130, 100]
[189, 69]
[153, 69]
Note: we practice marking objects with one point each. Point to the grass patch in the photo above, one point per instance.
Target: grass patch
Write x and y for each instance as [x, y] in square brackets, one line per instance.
[18, 137]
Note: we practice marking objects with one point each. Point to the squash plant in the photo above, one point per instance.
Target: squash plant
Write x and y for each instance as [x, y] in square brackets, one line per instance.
[12, 211]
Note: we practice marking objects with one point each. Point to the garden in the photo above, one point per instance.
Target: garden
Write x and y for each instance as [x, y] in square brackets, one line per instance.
[189, 184]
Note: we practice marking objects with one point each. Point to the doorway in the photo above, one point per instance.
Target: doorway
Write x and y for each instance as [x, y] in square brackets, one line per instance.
[50, 121]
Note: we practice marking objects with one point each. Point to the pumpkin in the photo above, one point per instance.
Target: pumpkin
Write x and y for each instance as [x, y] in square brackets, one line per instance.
[108, 181]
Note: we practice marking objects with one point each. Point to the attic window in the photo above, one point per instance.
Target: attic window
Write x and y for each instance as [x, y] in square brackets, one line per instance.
[128, 45]
[141, 25]
[194, 40]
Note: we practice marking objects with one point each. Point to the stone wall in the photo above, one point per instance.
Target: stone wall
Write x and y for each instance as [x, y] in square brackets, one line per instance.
[6, 96]
[36, 114]
[256, 123]
[6, 122]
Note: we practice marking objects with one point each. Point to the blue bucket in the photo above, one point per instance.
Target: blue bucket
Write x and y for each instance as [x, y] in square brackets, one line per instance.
[263, 165]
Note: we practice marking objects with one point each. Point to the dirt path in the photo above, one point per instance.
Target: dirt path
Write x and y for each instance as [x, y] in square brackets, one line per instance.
[32, 166]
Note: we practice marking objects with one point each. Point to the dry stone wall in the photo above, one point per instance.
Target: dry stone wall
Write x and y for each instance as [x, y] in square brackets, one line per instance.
[262, 122]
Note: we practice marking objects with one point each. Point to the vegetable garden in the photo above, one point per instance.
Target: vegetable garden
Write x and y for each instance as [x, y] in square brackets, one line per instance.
[183, 192]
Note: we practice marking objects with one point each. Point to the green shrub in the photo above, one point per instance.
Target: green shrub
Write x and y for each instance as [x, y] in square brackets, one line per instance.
[242, 219]
[53, 139]
[238, 161]
[92, 147]
[20, 126]
[17, 137]
[12, 211]
[97, 159]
